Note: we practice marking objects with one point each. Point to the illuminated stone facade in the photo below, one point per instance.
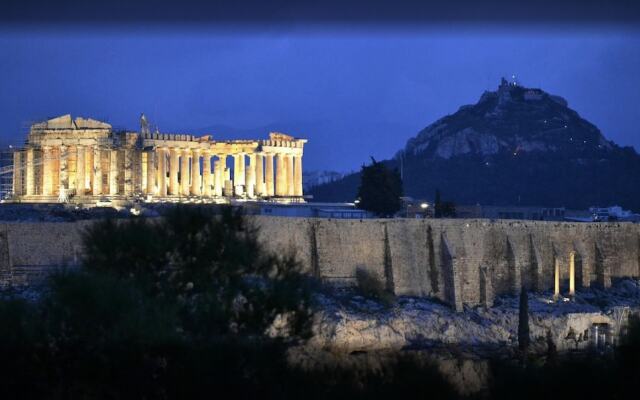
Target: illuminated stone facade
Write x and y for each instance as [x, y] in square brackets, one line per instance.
[86, 160]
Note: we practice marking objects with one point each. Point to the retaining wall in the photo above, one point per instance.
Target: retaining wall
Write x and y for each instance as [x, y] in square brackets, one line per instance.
[458, 261]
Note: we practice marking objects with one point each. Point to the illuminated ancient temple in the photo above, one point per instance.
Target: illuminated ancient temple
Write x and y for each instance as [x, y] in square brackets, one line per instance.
[86, 160]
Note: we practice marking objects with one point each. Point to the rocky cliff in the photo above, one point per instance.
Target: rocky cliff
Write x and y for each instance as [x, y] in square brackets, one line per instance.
[515, 146]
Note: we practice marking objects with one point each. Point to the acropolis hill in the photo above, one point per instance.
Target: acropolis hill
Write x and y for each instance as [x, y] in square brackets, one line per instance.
[461, 262]
[87, 160]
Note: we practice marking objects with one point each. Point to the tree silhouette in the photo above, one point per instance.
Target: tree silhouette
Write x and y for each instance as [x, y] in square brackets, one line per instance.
[380, 189]
[523, 322]
[437, 205]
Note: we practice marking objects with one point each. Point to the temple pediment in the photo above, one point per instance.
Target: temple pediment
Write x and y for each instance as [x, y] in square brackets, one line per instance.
[66, 122]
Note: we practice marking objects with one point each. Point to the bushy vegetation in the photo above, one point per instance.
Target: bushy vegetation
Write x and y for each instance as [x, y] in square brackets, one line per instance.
[184, 307]
[221, 279]
[380, 189]
[160, 309]
[372, 287]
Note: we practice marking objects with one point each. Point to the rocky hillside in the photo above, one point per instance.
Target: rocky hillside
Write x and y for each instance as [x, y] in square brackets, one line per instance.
[515, 146]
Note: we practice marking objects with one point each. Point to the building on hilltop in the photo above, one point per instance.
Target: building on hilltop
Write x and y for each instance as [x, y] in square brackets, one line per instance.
[86, 160]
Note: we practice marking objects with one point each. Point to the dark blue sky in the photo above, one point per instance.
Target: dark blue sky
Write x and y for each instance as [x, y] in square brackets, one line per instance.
[352, 93]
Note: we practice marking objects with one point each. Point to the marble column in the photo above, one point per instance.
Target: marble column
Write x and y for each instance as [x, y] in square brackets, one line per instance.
[151, 172]
[280, 175]
[556, 279]
[184, 172]
[17, 173]
[97, 172]
[240, 178]
[162, 172]
[47, 171]
[128, 172]
[238, 174]
[250, 176]
[173, 172]
[572, 274]
[113, 172]
[31, 176]
[195, 173]
[88, 168]
[206, 174]
[63, 170]
[228, 188]
[218, 175]
[290, 189]
[259, 175]
[268, 175]
[143, 172]
[297, 184]
[80, 164]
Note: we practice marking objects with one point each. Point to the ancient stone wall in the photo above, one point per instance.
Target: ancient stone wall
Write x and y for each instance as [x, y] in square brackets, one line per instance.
[458, 261]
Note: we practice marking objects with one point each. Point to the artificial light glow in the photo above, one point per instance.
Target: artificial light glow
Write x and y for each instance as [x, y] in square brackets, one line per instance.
[424, 205]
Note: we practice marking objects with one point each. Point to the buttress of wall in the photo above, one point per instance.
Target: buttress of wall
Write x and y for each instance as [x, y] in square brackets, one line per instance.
[409, 255]
[343, 246]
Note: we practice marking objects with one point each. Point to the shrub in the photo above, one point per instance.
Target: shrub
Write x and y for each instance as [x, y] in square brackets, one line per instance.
[370, 286]
[213, 265]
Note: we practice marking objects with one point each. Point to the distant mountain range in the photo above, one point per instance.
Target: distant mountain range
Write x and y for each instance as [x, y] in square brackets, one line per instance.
[515, 146]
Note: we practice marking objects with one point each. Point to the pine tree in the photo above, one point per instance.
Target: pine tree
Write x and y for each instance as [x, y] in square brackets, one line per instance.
[380, 189]
[523, 322]
[437, 205]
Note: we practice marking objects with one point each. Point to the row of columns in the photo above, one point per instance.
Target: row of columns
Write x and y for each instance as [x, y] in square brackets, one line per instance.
[257, 179]
[253, 180]
[55, 168]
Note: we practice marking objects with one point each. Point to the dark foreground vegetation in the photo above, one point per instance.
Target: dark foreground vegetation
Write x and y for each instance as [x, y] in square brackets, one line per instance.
[184, 307]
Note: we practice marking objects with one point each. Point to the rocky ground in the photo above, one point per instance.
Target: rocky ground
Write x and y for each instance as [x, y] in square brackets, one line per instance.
[353, 323]
[354, 332]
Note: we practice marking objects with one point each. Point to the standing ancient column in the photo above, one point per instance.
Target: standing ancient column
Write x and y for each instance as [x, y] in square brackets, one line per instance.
[113, 172]
[572, 274]
[280, 175]
[195, 173]
[17, 173]
[240, 178]
[80, 164]
[238, 174]
[143, 171]
[47, 171]
[151, 172]
[290, 188]
[162, 172]
[31, 176]
[297, 184]
[556, 279]
[259, 175]
[97, 172]
[88, 168]
[63, 168]
[206, 173]
[128, 171]
[268, 175]
[184, 172]
[250, 176]
[218, 175]
[173, 172]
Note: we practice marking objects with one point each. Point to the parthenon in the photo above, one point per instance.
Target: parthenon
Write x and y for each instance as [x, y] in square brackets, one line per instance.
[87, 160]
